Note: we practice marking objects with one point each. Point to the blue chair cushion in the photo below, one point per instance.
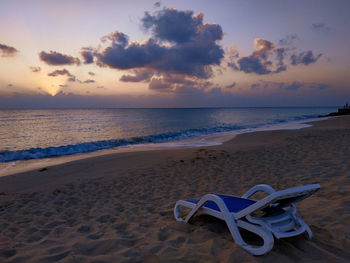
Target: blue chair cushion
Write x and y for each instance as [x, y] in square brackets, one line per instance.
[233, 204]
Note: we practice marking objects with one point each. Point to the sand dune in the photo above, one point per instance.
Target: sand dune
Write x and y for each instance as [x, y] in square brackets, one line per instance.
[118, 208]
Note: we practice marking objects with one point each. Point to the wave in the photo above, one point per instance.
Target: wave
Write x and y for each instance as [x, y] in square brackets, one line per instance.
[86, 147]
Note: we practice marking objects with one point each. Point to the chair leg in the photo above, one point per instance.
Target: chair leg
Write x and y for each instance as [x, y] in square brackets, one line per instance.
[232, 225]
[177, 206]
[308, 232]
[263, 233]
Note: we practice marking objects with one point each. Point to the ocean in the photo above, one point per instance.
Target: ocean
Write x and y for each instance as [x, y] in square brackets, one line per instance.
[33, 134]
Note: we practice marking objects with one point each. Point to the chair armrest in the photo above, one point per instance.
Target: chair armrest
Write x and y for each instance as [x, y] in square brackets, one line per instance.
[260, 187]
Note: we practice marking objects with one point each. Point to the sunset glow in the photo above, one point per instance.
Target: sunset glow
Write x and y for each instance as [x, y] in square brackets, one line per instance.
[175, 49]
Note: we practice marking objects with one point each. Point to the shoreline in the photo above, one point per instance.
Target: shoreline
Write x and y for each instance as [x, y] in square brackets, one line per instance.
[20, 166]
[119, 207]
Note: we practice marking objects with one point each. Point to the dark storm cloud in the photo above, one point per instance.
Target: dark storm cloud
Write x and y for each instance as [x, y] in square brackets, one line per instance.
[54, 58]
[189, 46]
[304, 58]
[141, 75]
[35, 69]
[7, 51]
[88, 55]
[60, 72]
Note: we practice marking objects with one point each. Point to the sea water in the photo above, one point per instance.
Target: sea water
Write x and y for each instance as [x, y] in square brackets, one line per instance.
[33, 134]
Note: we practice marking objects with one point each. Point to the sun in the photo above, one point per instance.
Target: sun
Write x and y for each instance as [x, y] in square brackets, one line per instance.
[50, 85]
[53, 90]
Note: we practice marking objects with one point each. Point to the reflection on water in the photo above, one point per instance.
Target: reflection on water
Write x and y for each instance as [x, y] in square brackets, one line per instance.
[26, 129]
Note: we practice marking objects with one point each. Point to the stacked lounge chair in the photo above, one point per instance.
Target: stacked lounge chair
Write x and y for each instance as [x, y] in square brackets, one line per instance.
[277, 214]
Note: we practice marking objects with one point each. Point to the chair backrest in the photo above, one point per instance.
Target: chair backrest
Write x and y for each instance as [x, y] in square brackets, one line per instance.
[281, 198]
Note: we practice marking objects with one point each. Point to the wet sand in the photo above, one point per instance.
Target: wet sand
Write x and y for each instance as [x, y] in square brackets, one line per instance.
[119, 207]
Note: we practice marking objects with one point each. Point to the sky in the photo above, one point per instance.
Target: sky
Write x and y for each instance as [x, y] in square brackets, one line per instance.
[193, 53]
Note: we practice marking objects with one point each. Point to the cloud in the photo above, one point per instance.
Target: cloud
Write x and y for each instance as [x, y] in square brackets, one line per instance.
[304, 58]
[35, 69]
[60, 72]
[173, 25]
[290, 86]
[71, 77]
[320, 27]
[288, 40]
[268, 58]
[232, 54]
[88, 55]
[173, 83]
[231, 85]
[262, 47]
[204, 95]
[157, 4]
[253, 64]
[265, 59]
[7, 51]
[135, 55]
[181, 44]
[139, 75]
[320, 86]
[64, 72]
[295, 86]
[89, 81]
[54, 58]
[160, 85]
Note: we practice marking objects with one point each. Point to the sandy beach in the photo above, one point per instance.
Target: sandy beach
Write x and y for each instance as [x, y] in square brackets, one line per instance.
[119, 207]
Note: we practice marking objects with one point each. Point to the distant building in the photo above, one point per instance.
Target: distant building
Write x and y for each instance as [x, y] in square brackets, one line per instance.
[345, 109]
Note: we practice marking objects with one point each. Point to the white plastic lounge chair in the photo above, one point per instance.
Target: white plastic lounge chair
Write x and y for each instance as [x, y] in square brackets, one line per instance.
[277, 214]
